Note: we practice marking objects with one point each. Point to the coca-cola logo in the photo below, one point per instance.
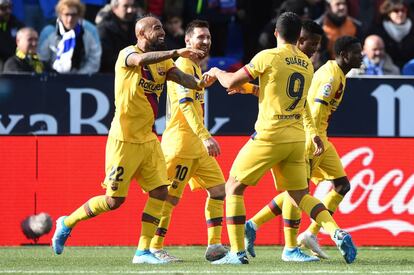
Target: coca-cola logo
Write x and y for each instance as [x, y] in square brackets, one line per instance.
[388, 198]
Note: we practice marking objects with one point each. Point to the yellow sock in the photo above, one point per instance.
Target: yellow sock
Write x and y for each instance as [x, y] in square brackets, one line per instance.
[273, 209]
[236, 218]
[317, 211]
[158, 241]
[214, 219]
[331, 202]
[291, 220]
[149, 221]
[93, 207]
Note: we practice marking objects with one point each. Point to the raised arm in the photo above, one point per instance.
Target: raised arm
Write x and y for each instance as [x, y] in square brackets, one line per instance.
[141, 59]
[230, 80]
[186, 80]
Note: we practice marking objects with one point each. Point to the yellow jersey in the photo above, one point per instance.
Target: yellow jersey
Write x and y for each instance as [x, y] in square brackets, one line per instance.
[285, 74]
[325, 94]
[137, 91]
[185, 128]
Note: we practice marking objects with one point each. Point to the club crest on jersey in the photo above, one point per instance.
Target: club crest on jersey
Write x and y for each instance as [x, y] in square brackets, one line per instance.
[326, 90]
[161, 71]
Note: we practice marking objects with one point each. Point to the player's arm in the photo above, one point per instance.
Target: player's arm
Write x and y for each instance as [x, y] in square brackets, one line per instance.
[321, 103]
[188, 80]
[310, 127]
[245, 89]
[141, 59]
[230, 80]
[197, 125]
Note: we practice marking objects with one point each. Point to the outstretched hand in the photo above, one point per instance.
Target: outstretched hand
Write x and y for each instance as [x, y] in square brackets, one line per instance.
[191, 53]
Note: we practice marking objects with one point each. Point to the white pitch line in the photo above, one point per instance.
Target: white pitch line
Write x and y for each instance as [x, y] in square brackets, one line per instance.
[203, 271]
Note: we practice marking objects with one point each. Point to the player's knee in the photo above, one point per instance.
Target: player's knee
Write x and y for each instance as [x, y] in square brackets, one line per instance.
[234, 187]
[159, 193]
[342, 185]
[114, 202]
[217, 192]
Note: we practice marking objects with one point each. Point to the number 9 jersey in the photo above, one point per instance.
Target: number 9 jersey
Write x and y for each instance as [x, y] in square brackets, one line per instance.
[285, 75]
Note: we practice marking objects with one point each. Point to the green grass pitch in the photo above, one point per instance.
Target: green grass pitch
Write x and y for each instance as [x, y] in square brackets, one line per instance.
[117, 260]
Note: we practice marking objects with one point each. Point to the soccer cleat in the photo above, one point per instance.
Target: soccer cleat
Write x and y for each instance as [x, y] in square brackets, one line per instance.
[60, 236]
[165, 256]
[308, 240]
[297, 255]
[233, 258]
[250, 237]
[146, 257]
[344, 243]
[215, 252]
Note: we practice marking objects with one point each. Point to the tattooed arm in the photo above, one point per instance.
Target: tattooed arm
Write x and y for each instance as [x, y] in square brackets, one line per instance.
[140, 59]
[185, 80]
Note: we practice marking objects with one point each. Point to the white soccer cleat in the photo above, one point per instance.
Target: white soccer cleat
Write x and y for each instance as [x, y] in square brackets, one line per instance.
[146, 257]
[215, 252]
[161, 254]
[310, 241]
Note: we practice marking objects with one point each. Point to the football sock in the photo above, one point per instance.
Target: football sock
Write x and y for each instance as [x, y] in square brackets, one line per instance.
[90, 209]
[214, 219]
[236, 218]
[317, 211]
[149, 221]
[158, 241]
[291, 221]
[331, 201]
[273, 209]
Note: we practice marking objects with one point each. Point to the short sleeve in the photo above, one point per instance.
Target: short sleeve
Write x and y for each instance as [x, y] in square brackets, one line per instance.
[257, 65]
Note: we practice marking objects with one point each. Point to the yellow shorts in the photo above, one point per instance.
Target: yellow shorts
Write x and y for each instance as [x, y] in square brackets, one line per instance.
[285, 160]
[124, 161]
[327, 166]
[200, 173]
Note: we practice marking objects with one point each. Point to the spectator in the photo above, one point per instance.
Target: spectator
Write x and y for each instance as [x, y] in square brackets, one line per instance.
[267, 38]
[25, 59]
[117, 31]
[408, 68]
[9, 26]
[73, 45]
[397, 31]
[376, 61]
[174, 33]
[337, 23]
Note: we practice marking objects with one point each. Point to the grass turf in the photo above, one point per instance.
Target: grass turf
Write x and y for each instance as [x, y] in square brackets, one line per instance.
[117, 260]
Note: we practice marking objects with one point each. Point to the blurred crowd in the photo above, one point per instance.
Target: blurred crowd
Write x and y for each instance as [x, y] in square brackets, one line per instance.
[85, 37]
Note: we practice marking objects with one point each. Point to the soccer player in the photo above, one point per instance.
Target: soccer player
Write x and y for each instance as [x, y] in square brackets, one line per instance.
[189, 150]
[278, 144]
[132, 149]
[325, 95]
[310, 37]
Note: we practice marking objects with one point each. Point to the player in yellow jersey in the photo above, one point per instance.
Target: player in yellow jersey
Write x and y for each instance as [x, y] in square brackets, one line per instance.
[310, 37]
[278, 145]
[325, 94]
[132, 149]
[189, 150]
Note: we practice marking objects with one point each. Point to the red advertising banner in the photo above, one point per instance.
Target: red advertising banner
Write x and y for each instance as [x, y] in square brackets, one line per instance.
[57, 174]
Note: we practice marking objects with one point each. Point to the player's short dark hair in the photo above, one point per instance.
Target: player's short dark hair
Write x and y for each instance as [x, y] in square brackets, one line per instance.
[312, 27]
[343, 44]
[288, 25]
[196, 24]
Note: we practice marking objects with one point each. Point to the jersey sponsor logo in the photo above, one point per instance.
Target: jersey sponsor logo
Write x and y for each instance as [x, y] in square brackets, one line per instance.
[199, 96]
[150, 86]
[326, 90]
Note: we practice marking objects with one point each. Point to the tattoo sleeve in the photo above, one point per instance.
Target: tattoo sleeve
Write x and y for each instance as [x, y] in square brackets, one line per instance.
[150, 57]
[183, 79]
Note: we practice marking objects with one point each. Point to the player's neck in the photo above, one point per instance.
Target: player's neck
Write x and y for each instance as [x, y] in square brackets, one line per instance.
[344, 67]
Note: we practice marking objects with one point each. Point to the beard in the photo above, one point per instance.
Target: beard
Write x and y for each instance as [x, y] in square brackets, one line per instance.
[158, 46]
